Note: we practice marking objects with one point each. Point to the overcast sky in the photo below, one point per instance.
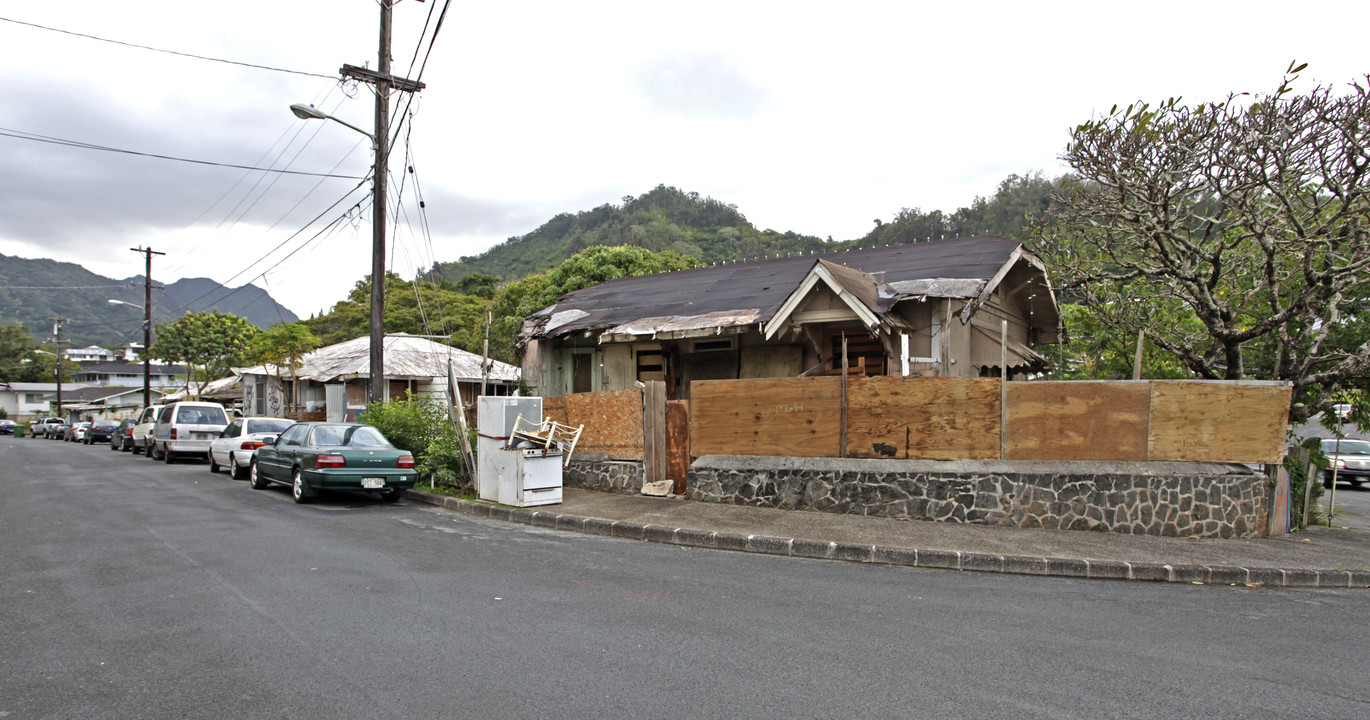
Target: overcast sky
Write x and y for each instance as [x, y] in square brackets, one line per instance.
[812, 117]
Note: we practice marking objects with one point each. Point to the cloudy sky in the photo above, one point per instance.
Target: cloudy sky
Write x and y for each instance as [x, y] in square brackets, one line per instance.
[812, 117]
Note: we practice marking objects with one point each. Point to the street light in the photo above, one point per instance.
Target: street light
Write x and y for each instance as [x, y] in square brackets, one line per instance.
[147, 344]
[375, 387]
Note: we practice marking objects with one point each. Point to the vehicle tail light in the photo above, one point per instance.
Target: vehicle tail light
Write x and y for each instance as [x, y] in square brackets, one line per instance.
[405, 461]
[252, 445]
[330, 461]
[173, 434]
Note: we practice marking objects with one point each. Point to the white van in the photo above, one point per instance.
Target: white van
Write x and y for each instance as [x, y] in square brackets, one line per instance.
[186, 428]
[141, 437]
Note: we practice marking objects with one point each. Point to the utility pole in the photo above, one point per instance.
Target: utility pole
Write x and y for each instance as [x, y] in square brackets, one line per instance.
[57, 340]
[384, 82]
[147, 324]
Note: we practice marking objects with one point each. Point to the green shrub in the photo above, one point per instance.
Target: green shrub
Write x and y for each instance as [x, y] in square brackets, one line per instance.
[423, 427]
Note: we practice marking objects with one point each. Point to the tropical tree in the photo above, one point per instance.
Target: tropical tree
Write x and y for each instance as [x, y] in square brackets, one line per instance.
[1249, 218]
[208, 343]
[16, 351]
[283, 346]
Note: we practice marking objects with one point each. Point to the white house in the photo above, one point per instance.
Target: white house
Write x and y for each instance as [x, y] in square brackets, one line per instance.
[333, 380]
[29, 401]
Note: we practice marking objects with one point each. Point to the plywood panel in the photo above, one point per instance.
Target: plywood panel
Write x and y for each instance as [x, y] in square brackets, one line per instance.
[923, 418]
[612, 420]
[788, 417]
[1078, 420]
[1218, 421]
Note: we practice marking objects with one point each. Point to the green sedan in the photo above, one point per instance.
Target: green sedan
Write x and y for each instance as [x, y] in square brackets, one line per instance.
[313, 456]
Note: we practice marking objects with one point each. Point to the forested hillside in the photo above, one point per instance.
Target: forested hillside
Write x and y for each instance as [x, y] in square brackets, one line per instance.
[33, 291]
[713, 231]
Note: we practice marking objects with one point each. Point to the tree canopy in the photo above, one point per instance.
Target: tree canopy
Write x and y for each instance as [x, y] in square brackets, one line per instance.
[209, 344]
[1236, 234]
[284, 346]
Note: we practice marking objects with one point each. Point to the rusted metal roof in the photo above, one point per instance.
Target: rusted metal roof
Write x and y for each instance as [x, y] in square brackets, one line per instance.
[730, 297]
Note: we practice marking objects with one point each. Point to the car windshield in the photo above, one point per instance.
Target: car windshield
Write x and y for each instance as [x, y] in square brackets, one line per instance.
[348, 435]
[106, 424]
[1348, 447]
[201, 416]
[268, 426]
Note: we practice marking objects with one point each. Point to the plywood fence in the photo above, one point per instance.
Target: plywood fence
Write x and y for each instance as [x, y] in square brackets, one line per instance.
[612, 420]
[940, 418]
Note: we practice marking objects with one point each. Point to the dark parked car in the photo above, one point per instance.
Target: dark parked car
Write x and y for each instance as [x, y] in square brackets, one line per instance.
[59, 430]
[100, 431]
[123, 435]
[7, 426]
[313, 456]
[1351, 460]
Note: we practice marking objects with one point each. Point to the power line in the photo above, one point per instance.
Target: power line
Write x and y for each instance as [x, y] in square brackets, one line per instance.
[168, 52]
[21, 135]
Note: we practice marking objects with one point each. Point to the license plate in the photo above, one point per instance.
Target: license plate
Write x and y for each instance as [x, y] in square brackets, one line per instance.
[372, 483]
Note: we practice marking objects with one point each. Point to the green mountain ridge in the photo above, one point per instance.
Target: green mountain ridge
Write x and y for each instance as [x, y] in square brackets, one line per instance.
[33, 291]
[713, 231]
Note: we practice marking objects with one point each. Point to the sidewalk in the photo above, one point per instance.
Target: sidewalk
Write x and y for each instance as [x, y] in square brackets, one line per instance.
[1319, 557]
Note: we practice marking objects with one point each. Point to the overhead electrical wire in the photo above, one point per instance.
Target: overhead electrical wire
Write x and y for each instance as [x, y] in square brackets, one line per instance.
[34, 137]
[168, 52]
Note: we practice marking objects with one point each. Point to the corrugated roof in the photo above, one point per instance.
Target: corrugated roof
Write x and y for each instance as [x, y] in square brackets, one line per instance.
[406, 356]
[751, 292]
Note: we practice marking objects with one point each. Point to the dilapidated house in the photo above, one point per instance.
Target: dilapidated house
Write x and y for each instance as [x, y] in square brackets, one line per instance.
[931, 308]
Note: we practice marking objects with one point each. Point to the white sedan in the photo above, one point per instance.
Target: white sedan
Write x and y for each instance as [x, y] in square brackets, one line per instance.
[237, 444]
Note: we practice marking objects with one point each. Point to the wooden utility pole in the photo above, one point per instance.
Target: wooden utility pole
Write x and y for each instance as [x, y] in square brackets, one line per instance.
[147, 324]
[57, 340]
[383, 82]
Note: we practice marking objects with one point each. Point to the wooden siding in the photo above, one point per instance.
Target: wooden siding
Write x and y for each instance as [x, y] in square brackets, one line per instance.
[1078, 420]
[798, 417]
[938, 418]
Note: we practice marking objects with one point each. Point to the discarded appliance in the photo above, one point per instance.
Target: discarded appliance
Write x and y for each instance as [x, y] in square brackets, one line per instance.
[520, 456]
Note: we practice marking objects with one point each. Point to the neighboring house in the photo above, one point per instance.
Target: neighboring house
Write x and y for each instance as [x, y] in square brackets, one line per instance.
[333, 379]
[28, 401]
[931, 308]
[92, 353]
[100, 403]
[129, 374]
[227, 391]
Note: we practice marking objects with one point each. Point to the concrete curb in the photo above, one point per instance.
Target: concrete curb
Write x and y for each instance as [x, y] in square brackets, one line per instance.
[910, 557]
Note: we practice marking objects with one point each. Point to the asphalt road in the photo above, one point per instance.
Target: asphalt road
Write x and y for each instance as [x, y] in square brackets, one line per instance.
[132, 589]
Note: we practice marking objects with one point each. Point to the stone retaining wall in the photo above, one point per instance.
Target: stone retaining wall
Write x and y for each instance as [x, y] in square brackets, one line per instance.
[596, 473]
[1208, 500]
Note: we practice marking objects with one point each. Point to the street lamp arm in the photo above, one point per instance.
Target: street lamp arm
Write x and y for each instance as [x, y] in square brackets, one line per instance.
[309, 112]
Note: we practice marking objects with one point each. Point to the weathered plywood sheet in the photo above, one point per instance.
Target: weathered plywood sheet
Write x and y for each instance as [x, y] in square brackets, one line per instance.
[1078, 420]
[1218, 421]
[923, 418]
[787, 417]
[612, 420]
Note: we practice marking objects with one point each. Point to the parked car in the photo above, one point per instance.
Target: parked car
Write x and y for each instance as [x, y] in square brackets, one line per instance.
[1350, 459]
[122, 440]
[186, 428]
[237, 444]
[43, 428]
[59, 430]
[310, 457]
[100, 431]
[77, 432]
[141, 436]
[7, 426]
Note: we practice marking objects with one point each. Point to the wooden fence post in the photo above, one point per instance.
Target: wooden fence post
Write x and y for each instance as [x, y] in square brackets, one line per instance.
[677, 443]
[654, 432]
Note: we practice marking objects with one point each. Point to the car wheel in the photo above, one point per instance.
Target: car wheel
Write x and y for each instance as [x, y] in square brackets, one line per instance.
[213, 465]
[391, 495]
[299, 489]
[255, 479]
[235, 471]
